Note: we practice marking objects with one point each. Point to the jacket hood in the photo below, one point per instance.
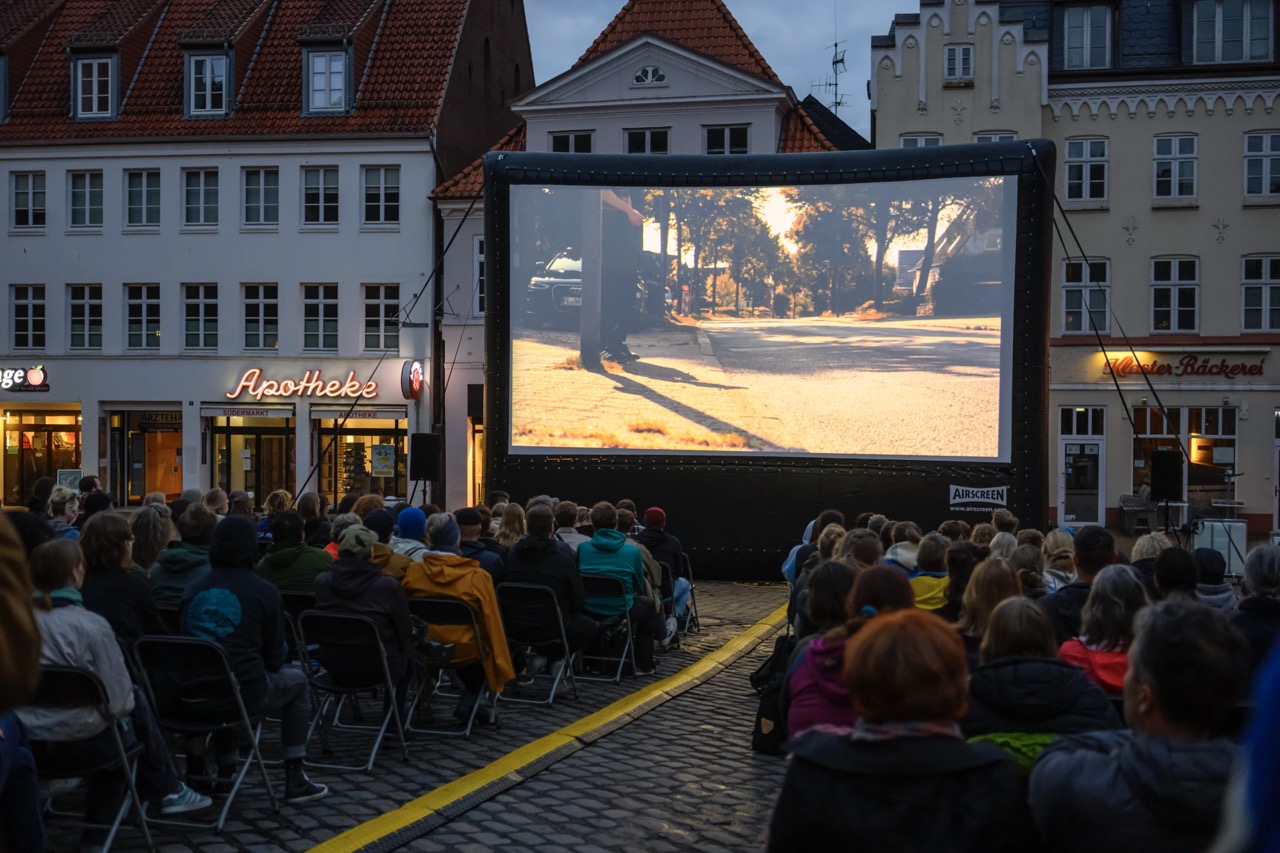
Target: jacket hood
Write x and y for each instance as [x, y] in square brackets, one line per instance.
[58, 526]
[1181, 782]
[350, 578]
[234, 544]
[472, 547]
[531, 548]
[445, 568]
[826, 659]
[903, 554]
[282, 557]
[649, 537]
[1219, 596]
[608, 540]
[182, 557]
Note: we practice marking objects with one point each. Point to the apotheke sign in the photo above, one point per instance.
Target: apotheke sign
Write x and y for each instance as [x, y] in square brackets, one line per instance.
[311, 384]
[24, 378]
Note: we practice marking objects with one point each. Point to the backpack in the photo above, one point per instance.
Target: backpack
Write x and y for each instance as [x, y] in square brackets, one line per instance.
[770, 681]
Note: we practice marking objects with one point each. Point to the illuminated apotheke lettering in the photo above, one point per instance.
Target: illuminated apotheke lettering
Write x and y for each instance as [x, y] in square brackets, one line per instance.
[312, 384]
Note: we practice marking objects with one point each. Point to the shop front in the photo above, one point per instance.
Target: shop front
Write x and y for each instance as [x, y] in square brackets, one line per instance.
[41, 437]
[361, 450]
[144, 452]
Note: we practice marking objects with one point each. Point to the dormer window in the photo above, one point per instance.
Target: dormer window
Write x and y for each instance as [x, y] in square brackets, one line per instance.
[95, 85]
[649, 75]
[207, 86]
[326, 81]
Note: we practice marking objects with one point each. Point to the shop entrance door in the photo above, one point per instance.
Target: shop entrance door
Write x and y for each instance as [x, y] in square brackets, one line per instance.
[254, 455]
[37, 445]
[1080, 490]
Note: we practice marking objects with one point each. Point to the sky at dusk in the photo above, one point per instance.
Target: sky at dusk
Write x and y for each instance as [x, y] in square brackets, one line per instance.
[795, 37]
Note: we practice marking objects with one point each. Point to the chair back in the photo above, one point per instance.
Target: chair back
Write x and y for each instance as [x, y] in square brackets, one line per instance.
[526, 604]
[189, 679]
[64, 687]
[295, 603]
[171, 616]
[605, 589]
[447, 612]
[344, 637]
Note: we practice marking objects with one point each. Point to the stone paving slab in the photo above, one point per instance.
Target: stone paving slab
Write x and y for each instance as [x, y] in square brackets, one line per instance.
[726, 610]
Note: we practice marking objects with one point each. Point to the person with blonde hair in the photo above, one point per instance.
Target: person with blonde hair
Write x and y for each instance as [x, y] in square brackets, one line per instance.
[215, 500]
[511, 527]
[1059, 559]
[64, 506]
[1143, 559]
[276, 503]
[993, 581]
[155, 499]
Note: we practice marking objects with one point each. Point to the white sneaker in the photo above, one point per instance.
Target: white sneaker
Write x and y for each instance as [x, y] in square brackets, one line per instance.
[672, 630]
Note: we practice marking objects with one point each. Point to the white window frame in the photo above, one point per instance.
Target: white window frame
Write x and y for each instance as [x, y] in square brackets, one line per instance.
[1082, 158]
[995, 136]
[1086, 280]
[381, 317]
[1179, 287]
[571, 142]
[203, 98]
[726, 144]
[920, 140]
[648, 135]
[321, 89]
[380, 195]
[1083, 30]
[320, 317]
[100, 102]
[84, 310]
[1250, 27]
[957, 63]
[260, 198]
[204, 182]
[261, 306]
[142, 305]
[327, 199]
[27, 192]
[477, 275]
[1175, 153]
[200, 306]
[29, 326]
[1260, 276]
[84, 200]
[142, 203]
[1262, 165]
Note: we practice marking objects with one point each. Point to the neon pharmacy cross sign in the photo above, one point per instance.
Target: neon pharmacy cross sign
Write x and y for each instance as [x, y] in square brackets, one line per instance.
[312, 384]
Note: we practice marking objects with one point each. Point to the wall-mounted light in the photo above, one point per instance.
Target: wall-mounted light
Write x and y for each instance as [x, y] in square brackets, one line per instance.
[1143, 400]
[1226, 401]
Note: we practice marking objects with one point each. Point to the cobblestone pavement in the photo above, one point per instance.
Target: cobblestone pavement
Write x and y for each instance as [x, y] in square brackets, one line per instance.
[683, 777]
[726, 610]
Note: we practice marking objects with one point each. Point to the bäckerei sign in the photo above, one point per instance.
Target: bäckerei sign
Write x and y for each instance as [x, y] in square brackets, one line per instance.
[1184, 367]
[312, 383]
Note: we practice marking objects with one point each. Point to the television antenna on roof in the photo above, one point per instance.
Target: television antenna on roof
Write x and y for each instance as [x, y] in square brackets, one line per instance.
[832, 83]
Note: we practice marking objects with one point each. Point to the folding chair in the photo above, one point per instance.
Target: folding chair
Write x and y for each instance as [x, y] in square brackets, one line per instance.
[171, 616]
[354, 637]
[67, 688]
[439, 611]
[690, 625]
[297, 603]
[194, 691]
[527, 599]
[603, 586]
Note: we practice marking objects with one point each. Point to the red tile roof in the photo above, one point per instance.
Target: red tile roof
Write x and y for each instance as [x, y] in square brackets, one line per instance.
[800, 135]
[469, 183]
[112, 23]
[704, 26]
[17, 16]
[399, 93]
[222, 21]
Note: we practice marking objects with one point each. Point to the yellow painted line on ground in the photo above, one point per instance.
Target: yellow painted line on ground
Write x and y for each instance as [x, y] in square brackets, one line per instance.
[437, 799]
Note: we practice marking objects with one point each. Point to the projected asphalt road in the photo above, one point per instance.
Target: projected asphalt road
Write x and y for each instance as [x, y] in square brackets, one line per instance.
[908, 387]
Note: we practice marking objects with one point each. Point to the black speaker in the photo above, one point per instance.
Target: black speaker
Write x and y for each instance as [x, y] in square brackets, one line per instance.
[1166, 475]
[424, 456]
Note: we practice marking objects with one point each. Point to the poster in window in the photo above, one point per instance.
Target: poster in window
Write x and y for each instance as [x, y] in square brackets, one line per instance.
[384, 460]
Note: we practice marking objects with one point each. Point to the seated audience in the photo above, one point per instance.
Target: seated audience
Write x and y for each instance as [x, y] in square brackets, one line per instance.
[152, 527]
[954, 530]
[1028, 562]
[111, 589]
[40, 492]
[666, 549]
[982, 534]
[566, 515]
[186, 560]
[1003, 545]
[992, 582]
[1143, 559]
[1059, 559]
[1102, 648]
[276, 503]
[314, 509]
[1159, 785]
[340, 522]
[905, 779]
[1028, 536]
[609, 553]
[961, 559]
[929, 579]
[21, 825]
[30, 528]
[860, 549]
[511, 526]
[1093, 550]
[239, 503]
[470, 526]
[1004, 521]
[1258, 617]
[1211, 581]
[411, 528]
[822, 604]
[64, 506]
[291, 564]
[1176, 574]
[215, 500]
[388, 561]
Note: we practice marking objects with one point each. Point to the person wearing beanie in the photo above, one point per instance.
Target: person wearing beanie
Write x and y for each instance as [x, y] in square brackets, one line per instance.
[388, 561]
[290, 563]
[1211, 586]
[353, 584]
[443, 571]
[243, 613]
[470, 525]
[666, 549]
[411, 527]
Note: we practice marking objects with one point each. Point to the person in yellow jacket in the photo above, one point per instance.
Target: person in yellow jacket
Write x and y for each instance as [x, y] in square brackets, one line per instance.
[444, 571]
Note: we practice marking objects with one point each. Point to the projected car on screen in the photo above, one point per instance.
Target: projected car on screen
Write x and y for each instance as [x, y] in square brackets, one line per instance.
[863, 320]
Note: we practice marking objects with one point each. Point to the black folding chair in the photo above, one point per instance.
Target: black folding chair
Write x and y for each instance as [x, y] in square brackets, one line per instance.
[69, 688]
[171, 615]
[194, 692]
[690, 623]
[523, 602]
[439, 611]
[352, 637]
[614, 592]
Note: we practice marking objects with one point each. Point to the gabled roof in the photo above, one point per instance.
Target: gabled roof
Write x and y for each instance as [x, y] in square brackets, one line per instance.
[800, 135]
[18, 16]
[705, 26]
[112, 23]
[339, 19]
[469, 183]
[843, 137]
[399, 92]
[222, 22]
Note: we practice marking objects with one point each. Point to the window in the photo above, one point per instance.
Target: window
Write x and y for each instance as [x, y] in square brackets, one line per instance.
[1087, 33]
[1175, 287]
[477, 271]
[381, 317]
[84, 313]
[381, 195]
[93, 87]
[142, 198]
[261, 316]
[208, 95]
[959, 62]
[919, 140]
[86, 199]
[1207, 435]
[1232, 30]
[320, 196]
[320, 316]
[1086, 164]
[1262, 164]
[995, 136]
[200, 199]
[261, 197]
[727, 140]
[326, 87]
[1175, 167]
[649, 75]
[142, 312]
[1086, 290]
[200, 316]
[1261, 294]
[28, 199]
[571, 143]
[646, 141]
[28, 316]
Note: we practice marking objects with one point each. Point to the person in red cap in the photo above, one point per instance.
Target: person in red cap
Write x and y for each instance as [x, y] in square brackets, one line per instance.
[667, 551]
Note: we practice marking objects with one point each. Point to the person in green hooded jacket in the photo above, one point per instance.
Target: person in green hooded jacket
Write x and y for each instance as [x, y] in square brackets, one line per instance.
[183, 562]
[290, 563]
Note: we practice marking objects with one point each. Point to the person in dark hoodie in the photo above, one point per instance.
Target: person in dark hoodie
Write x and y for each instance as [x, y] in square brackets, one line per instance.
[242, 612]
[1211, 581]
[666, 549]
[291, 564]
[1258, 617]
[185, 561]
[1160, 785]
[535, 559]
[609, 553]
[111, 589]
[353, 584]
[470, 526]
[1094, 550]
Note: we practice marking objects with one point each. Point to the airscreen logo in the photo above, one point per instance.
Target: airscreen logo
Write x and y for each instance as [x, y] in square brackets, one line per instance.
[968, 497]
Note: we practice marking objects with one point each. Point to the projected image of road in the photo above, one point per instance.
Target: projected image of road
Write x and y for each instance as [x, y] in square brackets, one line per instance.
[862, 320]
